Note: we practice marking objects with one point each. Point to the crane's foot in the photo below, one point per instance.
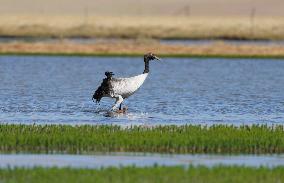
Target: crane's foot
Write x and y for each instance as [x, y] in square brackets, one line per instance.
[122, 110]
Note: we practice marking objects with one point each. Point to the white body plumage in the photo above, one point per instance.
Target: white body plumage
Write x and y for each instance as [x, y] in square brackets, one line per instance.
[125, 87]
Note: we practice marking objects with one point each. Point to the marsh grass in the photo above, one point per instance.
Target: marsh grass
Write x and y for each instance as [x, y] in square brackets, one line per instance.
[219, 174]
[164, 139]
[158, 27]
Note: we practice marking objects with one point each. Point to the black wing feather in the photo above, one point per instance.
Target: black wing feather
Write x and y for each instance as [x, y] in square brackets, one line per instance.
[104, 89]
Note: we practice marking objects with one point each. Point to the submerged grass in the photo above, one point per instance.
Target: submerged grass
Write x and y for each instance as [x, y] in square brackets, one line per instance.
[164, 139]
[219, 174]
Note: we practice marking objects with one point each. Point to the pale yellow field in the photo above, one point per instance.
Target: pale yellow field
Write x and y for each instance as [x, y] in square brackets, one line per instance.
[164, 27]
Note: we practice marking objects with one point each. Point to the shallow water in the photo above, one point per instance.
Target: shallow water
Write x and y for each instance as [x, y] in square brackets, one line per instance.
[165, 41]
[213, 41]
[140, 160]
[57, 89]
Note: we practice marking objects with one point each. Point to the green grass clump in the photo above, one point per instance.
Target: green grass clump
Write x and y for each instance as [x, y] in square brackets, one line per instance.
[219, 174]
[164, 139]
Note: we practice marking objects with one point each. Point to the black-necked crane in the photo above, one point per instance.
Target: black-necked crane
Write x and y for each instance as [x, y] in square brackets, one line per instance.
[122, 88]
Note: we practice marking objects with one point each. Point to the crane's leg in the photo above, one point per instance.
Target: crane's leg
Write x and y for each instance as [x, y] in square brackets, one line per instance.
[118, 102]
[120, 106]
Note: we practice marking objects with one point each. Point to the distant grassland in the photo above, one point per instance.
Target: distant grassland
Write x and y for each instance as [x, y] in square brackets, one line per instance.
[159, 27]
[140, 47]
[165, 139]
[219, 174]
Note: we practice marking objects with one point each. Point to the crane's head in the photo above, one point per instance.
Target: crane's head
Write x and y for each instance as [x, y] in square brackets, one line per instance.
[151, 56]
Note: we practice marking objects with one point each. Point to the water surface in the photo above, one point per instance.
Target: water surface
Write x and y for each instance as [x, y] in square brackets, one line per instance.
[44, 89]
[78, 40]
[140, 160]
[213, 41]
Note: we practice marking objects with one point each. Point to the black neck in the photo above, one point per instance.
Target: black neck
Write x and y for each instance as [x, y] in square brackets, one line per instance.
[146, 70]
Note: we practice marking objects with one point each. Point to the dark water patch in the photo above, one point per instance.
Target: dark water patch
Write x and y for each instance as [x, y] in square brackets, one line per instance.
[92, 40]
[226, 41]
